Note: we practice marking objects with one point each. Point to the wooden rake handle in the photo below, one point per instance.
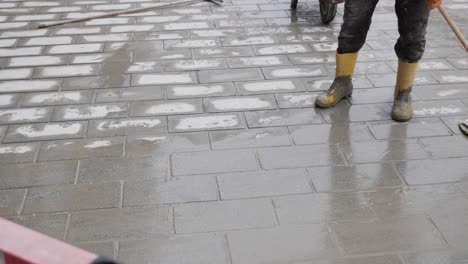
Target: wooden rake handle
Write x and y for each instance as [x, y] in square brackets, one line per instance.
[115, 13]
[454, 27]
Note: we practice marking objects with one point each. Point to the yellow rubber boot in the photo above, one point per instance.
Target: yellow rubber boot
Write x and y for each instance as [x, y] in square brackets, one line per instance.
[342, 86]
[402, 106]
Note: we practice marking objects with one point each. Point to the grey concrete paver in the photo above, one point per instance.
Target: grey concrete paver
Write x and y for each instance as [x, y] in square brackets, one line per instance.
[201, 119]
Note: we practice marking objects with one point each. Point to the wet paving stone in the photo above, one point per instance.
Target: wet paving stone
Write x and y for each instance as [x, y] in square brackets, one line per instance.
[289, 117]
[319, 207]
[128, 126]
[332, 134]
[445, 91]
[36, 61]
[433, 171]
[214, 162]
[355, 178]
[419, 234]
[49, 131]
[205, 122]
[18, 153]
[344, 112]
[11, 201]
[156, 144]
[123, 169]
[439, 108]
[251, 138]
[50, 224]
[262, 184]
[283, 49]
[162, 107]
[105, 249]
[453, 122]
[72, 197]
[107, 81]
[365, 152]
[120, 223]
[199, 249]
[446, 147]
[226, 215]
[290, 243]
[435, 257]
[300, 156]
[198, 90]
[416, 128]
[81, 148]
[191, 65]
[24, 115]
[37, 174]
[177, 191]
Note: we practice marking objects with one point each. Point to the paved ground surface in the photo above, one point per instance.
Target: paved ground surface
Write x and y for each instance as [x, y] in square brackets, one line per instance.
[188, 135]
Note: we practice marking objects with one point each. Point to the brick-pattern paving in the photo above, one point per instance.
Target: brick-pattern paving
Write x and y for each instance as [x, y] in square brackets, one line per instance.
[189, 135]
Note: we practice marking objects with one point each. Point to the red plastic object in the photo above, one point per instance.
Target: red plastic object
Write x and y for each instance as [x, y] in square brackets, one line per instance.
[21, 245]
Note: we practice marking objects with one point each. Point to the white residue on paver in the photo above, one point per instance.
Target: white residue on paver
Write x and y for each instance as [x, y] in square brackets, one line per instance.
[164, 78]
[433, 65]
[14, 149]
[142, 123]
[270, 86]
[72, 70]
[160, 19]
[252, 41]
[24, 114]
[20, 86]
[153, 139]
[49, 130]
[133, 28]
[188, 11]
[454, 78]
[191, 25]
[303, 99]
[197, 90]
[437, 110]
[268, 120]
[196, 43]
[15, 74]
[6, 99]
[78, 48]
[95, 58]
[213, 32]
[260, 61]
[295, 72]
[449, 92]
[239, 103]
[143, 66]
[325, 46]
[207, 122]
[34, 61]
[261, 135]
[456, 6]
[168, 108]
[92, 111]
[196, 64]
[173, 56]
[294, 48]
[211, 51]
[98, 144]
[55, 97]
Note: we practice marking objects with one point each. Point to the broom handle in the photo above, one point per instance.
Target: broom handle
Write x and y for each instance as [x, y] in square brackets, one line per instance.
[454, 27]
[115, 13]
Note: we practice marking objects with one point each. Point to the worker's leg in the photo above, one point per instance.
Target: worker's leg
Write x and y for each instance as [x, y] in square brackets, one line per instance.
[356, 22]
[412, 16]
